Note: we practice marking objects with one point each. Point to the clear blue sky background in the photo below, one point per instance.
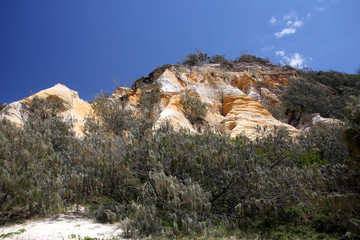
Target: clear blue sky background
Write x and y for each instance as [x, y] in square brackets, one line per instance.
[86, 44]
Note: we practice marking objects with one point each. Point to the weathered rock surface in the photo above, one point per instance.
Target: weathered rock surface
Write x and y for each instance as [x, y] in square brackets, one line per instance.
[233, 98]
[73, 108]
[316, 121]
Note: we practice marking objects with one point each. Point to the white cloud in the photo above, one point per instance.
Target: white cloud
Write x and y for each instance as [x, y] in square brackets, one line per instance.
[280, 53]
[297, 61]
[298, 23]
[319, 9]
[292, 22]
[294, 60]
[290, 15]
[285, 31]
[268, 48]
[273, 20]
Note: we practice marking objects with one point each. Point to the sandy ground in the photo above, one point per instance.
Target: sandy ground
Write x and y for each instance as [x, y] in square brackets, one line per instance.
[64, 226]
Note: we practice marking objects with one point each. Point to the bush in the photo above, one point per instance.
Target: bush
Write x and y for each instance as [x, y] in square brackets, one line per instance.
[34, 160]
[150, 96]
[2, 106]
[169, 182]
[304, 97]
[193, 59]
[248, 58]
[352, 130]
[320, 92]
[114, 118]
[109, 213]
[221, 59]
[194, 109]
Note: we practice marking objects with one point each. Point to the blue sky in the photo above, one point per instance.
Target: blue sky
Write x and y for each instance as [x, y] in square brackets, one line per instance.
[87, 44]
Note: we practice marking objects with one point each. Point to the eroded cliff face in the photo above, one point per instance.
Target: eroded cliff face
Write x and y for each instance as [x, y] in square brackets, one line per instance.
[234, 99]
[73, 108]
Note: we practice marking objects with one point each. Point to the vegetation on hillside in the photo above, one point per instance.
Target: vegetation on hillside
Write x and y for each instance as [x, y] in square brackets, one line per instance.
[2, 106]
[319, 92]
[174, 183]
[194, 109]
[199, 57]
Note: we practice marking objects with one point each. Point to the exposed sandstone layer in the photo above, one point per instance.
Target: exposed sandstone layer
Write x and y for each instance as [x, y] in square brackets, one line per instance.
[73, 108]
[233, 99]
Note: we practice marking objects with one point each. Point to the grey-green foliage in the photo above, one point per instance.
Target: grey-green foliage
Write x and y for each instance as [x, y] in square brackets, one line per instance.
[32, 159]
[352, 130]
[150, 96]
[196, 58]
[193, 59]
[168, 181]
[115, 119]
[2, 106]
[220, 59]
[194, 109]
[321, 92]
[249, 58]
[310, 97]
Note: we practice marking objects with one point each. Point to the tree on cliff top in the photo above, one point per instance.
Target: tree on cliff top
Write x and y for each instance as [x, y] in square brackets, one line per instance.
[2, 106]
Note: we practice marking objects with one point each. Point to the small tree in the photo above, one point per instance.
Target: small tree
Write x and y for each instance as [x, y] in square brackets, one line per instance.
[2, 106]
[194, 109]
[219, 59]
[114, 117]
[150, 96]
[195, 58]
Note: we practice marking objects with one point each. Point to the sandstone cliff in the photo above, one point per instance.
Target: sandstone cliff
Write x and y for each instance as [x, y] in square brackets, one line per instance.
[234, 99]
[73, 108]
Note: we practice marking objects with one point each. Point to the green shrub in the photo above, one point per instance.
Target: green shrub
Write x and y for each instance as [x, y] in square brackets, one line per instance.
[171, 182]
[2, 106]
[115, 119]
[311, 158]
[248, 58]
[221, 59]
[327, 223]
[144, 222]
[32, 159]
[194, 109]
[310, 97]
[320, 92]
[352, 129]
[150, 97]
[193, 59]
[294, 215]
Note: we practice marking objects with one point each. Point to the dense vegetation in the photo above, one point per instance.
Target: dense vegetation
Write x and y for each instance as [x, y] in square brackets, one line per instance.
[199, 57]
[194, 109]
[175, 184]
[320, 92]
[172, 183]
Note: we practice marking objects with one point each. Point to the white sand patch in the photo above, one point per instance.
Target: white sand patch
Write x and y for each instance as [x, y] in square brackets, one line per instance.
[64, 226]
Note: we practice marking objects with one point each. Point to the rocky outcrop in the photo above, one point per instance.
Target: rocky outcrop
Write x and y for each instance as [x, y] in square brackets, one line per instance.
[314, 120]
[233, 98]
[73, 108]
